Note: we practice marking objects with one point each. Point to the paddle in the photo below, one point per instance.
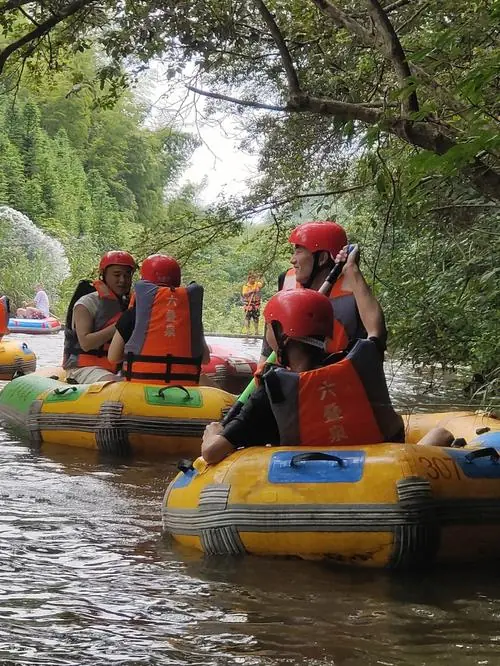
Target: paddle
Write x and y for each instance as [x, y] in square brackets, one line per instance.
[325, 288]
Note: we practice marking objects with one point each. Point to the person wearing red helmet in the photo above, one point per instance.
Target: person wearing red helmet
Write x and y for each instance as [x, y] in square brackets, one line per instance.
[162, 270]
[313, 398]
[91, 318]
[317, 246]
[161, 338]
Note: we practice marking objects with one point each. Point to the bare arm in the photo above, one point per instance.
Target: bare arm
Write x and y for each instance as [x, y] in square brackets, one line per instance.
[83, 323]
[116, 347]
[369, 308]
[214, 446]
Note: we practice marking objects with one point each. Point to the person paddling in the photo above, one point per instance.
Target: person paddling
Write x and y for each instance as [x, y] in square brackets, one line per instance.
[316, 398]
[317, 247]
[92, 314]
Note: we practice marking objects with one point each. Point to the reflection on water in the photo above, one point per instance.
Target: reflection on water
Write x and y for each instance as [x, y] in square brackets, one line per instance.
[87, 578]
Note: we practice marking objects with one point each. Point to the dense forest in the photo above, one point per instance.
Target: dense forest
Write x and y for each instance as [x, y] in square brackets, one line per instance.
[382, 115]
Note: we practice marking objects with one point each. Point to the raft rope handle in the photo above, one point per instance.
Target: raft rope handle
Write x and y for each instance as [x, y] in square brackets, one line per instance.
[165, 388]
[488, 451]
[316, 455]
[62, 391]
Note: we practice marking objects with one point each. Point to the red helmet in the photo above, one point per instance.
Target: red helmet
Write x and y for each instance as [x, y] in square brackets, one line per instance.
[317, 236]
[301, 313]
[161, 269]
[116, 258]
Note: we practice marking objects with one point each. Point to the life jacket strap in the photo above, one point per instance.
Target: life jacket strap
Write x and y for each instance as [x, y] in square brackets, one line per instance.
[273, 386]
[168, 360]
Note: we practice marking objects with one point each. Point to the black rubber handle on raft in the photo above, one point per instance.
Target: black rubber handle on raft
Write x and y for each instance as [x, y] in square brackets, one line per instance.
[185, 465]
[333, 275]
[62, 391]
[458, 443]
[481, 431]
[487, 452]
[316, 455]
[165, 388]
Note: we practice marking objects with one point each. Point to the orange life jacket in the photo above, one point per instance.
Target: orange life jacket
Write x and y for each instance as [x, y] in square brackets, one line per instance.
[4, 315]
[347, 325]
[345, 403]
[251, 295]
[166, 345]
[109, 310]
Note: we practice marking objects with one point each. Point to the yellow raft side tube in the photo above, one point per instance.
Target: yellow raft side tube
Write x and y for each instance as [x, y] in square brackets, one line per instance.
[116, 417]
[383, 505]
[15, 357]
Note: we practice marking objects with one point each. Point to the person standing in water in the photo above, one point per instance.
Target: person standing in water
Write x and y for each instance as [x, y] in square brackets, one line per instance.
[251, 295]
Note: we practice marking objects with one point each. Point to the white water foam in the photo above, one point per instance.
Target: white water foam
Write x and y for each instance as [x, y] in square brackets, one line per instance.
[19, 231]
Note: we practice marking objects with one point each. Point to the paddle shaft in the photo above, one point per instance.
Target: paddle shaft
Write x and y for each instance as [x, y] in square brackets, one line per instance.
[325, 289]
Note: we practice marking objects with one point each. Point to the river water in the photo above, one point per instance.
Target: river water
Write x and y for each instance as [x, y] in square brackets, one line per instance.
[86, 576]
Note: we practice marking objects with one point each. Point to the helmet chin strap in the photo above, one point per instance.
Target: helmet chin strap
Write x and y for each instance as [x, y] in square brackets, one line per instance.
[313, 342]
[281, 353]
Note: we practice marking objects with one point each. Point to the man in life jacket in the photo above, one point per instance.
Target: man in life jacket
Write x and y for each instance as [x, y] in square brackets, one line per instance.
[92, 314]
[317, 246]
[4, 316]
[315, 398]
[160, 339]
[251, 296]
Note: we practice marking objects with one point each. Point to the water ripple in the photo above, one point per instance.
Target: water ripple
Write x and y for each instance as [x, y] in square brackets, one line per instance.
[86, 578]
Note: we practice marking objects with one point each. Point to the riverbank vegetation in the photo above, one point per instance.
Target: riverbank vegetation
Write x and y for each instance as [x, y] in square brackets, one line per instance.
[383, 115]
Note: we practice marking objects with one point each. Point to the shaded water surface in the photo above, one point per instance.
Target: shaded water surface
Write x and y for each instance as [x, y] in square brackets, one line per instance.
[87, 578]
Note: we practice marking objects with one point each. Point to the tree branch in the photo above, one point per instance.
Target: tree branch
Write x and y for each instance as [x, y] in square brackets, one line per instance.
[344, 20]
[453, 206]
[392, 47]
[286, 59]
[26, 15]
[396, 5]
[240, 102]
[404, 27]
[12, 4]
[42, 29]
[262, 208]
[421, 134]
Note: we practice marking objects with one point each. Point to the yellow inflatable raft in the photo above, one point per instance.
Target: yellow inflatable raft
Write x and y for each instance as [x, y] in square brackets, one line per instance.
[115, 417]
[15, 357]
[384, 505]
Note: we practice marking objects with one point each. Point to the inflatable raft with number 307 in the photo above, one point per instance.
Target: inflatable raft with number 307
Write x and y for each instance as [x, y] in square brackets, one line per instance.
[401, 506]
